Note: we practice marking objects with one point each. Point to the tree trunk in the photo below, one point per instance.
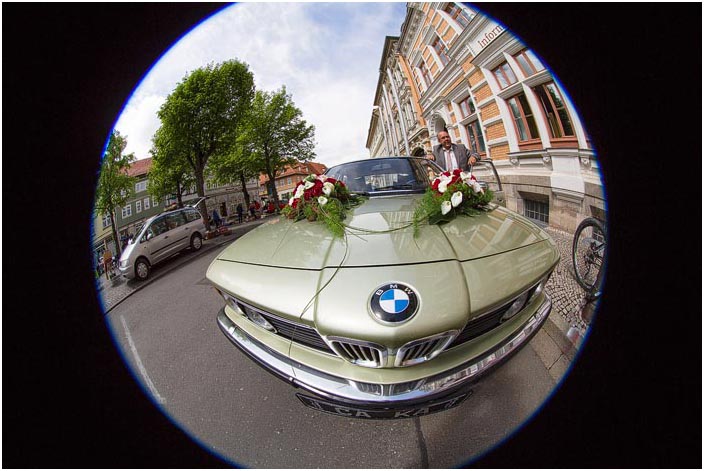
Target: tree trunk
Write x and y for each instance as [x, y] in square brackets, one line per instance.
[272, 190]
[118, 248]
[179, 195]
[244, 189]
[200, 185]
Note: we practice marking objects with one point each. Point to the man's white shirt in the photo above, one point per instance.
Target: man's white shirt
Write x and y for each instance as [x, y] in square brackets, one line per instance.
[450, 159]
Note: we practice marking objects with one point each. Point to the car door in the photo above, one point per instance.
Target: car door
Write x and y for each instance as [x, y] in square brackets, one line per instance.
[177, 236]
[194, 221]
[157, 240]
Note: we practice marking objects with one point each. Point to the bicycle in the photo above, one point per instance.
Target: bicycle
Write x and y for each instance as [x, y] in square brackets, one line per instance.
[588, 254]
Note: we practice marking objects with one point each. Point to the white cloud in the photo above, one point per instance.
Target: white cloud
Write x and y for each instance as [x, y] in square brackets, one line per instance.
[327, 55]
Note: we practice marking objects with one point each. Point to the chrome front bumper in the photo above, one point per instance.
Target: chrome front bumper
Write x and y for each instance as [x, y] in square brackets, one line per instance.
[347, 391]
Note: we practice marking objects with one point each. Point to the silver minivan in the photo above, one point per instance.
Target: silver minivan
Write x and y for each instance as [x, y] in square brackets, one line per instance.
[160, 237]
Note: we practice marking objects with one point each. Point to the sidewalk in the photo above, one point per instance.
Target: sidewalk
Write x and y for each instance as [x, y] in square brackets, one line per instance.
[556, 344]
[558, 341]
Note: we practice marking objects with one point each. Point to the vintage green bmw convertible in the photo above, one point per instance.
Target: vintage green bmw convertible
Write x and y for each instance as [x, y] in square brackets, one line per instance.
[388, 320]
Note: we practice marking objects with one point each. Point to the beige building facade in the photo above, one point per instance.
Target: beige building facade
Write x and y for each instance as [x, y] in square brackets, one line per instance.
[454, 68]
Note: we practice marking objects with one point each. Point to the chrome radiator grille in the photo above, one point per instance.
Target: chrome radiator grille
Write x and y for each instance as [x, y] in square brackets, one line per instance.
[422, 350]
[358, 352]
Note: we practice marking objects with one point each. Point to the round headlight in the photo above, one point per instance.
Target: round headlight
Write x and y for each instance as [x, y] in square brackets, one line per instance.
[516, 306]
[258, 319]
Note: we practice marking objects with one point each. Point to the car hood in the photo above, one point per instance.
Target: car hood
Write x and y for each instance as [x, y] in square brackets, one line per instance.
[380, 233]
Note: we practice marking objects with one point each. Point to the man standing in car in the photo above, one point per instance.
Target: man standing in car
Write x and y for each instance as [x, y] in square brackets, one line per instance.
[450, 156]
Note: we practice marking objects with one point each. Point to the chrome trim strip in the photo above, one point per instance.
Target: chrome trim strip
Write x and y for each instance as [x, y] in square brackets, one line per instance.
[334, 387]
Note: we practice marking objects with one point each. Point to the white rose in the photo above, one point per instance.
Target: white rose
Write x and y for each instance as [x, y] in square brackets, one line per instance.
[322, 178]
[322, 200]
[445, 207]
[308, 185]
[299, 192]
[477, 187]
[290, 202]
[466, 176]
[328, 187]
[442, 187]
[456, 199]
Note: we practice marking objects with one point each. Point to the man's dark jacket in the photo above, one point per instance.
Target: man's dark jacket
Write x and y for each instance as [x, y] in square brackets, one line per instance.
[461, 154]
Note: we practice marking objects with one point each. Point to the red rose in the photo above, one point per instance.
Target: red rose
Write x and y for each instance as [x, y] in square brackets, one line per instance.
[436, 182]
[338, 182]
[331, 180]
[456, 172]
[295, 203]
[317, 188]
[306, 195]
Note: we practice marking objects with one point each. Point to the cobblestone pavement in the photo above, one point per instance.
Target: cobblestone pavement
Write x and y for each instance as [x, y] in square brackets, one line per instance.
[568, 298]
[569, 306]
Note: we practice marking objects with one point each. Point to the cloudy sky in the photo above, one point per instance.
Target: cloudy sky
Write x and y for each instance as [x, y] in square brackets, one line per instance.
[327, 55]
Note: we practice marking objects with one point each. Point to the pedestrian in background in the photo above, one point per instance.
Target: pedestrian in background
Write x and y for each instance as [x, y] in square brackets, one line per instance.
[107, 263]
[239, 212]
[216, 218]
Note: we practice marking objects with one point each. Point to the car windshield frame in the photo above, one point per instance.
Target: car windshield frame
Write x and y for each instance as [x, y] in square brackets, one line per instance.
[386, 175]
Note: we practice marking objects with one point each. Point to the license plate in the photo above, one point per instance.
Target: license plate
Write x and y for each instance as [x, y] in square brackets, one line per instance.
[361, 413]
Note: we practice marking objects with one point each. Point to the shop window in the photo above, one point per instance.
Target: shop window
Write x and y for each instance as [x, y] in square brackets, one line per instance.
[554, 106]
[523, 118]
[505, 76]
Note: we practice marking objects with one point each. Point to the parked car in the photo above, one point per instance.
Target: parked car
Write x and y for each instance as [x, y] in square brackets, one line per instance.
[385, 322]
[159, 238]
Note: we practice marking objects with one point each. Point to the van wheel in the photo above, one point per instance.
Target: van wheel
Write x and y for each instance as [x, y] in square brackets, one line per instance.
[196, 241]
[141, 269]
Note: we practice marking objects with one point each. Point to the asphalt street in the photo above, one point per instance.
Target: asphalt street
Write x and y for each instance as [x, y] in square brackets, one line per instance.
[168, 335]
[166, 331]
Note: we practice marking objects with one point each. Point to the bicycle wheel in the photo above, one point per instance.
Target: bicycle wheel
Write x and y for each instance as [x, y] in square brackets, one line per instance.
[588, 253]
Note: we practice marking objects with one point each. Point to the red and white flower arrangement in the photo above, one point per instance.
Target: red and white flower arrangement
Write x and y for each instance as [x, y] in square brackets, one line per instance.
[321, 198]
[451, 194]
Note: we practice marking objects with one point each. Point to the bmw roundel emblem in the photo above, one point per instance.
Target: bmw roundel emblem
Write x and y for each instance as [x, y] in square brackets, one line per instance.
[394, 302]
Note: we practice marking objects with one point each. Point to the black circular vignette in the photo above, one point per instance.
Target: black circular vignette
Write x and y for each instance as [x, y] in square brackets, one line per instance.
[633, 396]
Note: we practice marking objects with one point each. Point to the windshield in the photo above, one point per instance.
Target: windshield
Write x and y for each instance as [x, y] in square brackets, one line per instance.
[388, 174]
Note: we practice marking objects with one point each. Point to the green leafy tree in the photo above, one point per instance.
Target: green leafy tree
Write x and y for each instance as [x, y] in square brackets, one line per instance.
[200, 117]
[235, 165]
[114, 184]
[277, 135]
[171, 174]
